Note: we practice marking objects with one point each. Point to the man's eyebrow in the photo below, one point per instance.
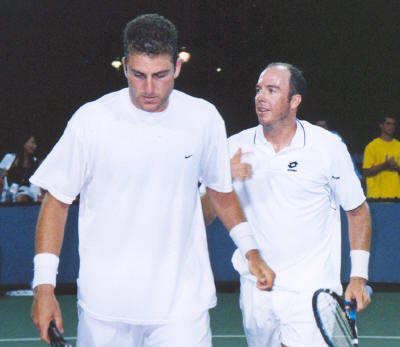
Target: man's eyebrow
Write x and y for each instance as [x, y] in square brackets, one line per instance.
[269, 86]
[155, 73]
[137, 71]
[161, 72]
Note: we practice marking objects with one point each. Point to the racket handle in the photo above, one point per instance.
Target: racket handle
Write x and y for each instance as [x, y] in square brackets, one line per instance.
[353, 309]
[353, 304]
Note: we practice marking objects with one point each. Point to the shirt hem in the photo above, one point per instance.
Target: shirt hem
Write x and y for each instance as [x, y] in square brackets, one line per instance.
[137, 321]
[220, 189]
[59, 196]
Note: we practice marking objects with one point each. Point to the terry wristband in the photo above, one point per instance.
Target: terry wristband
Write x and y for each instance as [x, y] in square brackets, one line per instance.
[243, 238]
[45, 267]
[359, 263]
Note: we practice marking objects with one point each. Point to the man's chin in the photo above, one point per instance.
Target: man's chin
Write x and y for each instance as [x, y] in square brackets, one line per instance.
[150, 108]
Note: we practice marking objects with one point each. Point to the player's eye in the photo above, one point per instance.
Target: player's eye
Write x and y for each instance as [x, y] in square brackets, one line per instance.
[160, 74]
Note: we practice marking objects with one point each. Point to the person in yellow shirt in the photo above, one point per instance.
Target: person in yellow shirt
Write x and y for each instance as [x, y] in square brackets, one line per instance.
[381, 165]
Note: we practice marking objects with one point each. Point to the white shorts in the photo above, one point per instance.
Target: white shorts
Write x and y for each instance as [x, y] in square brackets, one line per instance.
[272, 318]
[97, 333]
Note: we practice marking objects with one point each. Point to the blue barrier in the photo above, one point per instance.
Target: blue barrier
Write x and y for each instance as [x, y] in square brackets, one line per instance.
[17, 225]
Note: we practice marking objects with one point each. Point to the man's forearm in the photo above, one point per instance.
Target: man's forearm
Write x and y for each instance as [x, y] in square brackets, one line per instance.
[227, 207]
[360, 240]
[359, 221]
[374, 170]
[51, 224]
[209, 212]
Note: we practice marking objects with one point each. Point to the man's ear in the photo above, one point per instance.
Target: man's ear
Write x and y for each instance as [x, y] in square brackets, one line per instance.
[178, 67]
[295, 101]
[125, 66]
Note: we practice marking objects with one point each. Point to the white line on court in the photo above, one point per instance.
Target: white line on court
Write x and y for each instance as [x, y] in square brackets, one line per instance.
[27, 339]
[372, 337]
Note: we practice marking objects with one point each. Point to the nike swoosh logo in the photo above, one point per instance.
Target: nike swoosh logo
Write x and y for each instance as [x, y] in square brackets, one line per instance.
[188, 156]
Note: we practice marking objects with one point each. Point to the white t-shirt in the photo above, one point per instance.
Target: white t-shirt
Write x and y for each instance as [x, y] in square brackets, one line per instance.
[293, 203]
[142, 241]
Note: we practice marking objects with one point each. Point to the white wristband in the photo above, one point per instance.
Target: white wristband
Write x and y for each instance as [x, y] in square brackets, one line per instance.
[45, 269]
[359, 263]
[242, 236]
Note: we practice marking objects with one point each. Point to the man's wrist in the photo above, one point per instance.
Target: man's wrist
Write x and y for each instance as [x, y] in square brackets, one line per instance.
[45, 269]
[242, 236]
[251, 254]
[359, 263]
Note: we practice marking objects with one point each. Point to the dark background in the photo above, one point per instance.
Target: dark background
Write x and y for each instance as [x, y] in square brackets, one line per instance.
[56, 55]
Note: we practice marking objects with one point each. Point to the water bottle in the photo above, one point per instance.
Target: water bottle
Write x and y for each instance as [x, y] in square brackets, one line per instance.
[4, 192]
[13, 191]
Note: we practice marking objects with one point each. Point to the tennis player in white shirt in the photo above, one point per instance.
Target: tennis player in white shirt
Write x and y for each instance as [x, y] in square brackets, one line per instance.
[135, 157]
[292, 178]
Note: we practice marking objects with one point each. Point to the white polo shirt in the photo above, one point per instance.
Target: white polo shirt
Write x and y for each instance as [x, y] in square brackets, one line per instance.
[292, 202]
[142, 241]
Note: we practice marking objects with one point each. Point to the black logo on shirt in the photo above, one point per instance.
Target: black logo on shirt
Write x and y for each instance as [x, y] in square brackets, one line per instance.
[188, 156]
[292, 166]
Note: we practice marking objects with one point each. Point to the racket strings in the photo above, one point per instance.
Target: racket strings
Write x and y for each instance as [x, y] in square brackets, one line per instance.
[335, 321]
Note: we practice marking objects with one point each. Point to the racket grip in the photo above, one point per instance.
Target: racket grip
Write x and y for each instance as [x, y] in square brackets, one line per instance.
[353, 310]
[353, 304]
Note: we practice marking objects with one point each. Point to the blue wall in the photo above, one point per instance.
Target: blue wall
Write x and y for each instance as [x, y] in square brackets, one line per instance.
[17, 225]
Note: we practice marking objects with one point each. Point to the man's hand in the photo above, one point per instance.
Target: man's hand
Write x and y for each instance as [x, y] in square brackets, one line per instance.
[265, 275]
[239, 170]
[357, 290]
[391, 164]
[45, 308]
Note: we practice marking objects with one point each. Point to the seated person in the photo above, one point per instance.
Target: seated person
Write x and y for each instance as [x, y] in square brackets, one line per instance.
[23, 167]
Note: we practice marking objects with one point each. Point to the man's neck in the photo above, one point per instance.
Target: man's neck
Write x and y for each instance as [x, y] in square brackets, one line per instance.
[280, 135]
[386, 137]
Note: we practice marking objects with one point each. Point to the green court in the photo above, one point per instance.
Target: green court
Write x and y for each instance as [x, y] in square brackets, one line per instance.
[378, 326]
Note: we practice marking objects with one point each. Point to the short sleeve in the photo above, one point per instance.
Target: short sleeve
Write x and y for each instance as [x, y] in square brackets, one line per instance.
[215, 170]
[64, 170]
[369, 159]
[345, 183]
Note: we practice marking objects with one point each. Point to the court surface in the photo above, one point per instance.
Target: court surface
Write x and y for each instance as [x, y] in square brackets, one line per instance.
[378, 326]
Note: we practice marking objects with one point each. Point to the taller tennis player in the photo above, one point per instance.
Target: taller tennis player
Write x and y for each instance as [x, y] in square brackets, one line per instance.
[135, 156]
[291, 178]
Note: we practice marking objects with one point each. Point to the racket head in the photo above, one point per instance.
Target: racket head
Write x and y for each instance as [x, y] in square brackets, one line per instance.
[333, 319]
[56, 339]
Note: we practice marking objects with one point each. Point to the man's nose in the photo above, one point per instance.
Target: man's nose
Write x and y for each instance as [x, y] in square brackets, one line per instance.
[149, 87]
[261, 96]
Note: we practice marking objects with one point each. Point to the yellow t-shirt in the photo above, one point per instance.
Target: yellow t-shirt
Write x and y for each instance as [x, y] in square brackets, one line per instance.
[386, 184]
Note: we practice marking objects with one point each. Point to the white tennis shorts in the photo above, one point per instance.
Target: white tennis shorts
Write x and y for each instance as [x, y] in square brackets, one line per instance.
[272, 318]
[97, 333]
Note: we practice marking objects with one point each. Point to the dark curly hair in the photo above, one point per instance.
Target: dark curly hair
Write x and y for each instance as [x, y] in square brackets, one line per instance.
[151, 34]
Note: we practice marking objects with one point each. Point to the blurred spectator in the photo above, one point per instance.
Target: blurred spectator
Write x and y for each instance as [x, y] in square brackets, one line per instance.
[323, 123]
[23, 167]
[1, 184]
[381, 162]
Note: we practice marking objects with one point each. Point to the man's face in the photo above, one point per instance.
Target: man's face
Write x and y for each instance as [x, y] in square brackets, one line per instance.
[150, 80]
[388, 127]
[272, 91]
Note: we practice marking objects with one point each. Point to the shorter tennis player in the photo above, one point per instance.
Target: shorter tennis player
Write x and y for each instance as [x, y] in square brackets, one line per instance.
[292, 178]
[136, 156]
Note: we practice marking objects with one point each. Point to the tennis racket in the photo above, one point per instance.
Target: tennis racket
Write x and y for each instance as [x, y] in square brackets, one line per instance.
[336, 318]
[56, 339]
